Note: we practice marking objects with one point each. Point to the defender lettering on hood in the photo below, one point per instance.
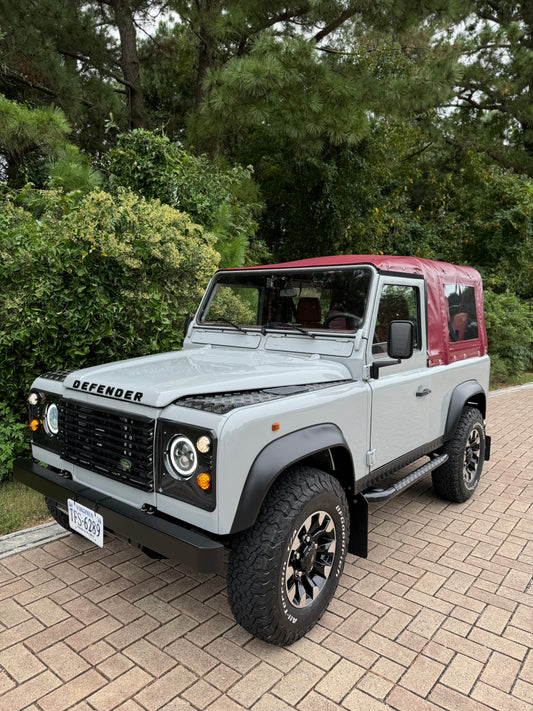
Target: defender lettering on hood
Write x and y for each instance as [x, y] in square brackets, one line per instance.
[108, 391]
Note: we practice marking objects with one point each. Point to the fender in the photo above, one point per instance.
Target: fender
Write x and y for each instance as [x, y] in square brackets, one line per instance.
[274, 459]
[463, 393]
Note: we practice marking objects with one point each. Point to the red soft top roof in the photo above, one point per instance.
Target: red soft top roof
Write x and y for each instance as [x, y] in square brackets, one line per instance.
[408, 265]
[436, 275]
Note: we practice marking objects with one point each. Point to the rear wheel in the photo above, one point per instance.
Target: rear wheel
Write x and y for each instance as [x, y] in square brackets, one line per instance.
[457, 479]
[284, 570]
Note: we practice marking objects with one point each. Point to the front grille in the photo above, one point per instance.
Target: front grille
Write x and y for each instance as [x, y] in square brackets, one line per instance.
[108, 443]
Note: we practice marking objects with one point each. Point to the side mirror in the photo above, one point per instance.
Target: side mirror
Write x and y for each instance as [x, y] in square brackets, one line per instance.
[188, 319]
[400, 341]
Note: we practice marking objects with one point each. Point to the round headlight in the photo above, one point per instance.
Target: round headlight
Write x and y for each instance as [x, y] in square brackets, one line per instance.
[182, 456]
[51, 419]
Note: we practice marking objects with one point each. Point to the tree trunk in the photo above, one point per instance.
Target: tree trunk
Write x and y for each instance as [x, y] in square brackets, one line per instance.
[206, 53]
[129, 61]
[13, 163]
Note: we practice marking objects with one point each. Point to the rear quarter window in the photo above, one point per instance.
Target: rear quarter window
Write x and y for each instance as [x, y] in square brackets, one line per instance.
[462, 314]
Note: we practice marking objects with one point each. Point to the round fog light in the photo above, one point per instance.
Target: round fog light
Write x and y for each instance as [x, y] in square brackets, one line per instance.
[203, 444]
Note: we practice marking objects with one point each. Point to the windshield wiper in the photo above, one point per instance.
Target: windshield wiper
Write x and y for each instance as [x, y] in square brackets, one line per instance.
[284, 324]
[235, 325]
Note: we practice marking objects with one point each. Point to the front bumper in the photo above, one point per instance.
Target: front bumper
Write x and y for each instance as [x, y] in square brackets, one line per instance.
[139, 528]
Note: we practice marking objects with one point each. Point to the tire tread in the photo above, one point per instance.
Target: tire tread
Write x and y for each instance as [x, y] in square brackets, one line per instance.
[255, 552]
[447, 479]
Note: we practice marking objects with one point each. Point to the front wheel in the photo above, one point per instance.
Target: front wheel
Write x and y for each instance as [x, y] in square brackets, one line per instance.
[283, 571]
[457, 479]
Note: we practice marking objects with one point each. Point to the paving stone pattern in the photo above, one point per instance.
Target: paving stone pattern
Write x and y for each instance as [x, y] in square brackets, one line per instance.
[439, 616]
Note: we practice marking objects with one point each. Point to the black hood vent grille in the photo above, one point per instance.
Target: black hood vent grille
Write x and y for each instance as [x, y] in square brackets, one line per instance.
[222, 403]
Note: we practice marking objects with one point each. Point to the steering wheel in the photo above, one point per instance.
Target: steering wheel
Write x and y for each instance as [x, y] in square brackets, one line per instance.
[343, 314]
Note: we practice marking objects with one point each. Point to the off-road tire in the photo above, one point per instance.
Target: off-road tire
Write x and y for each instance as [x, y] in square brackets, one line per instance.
[303, 525]
[60, 517]
[457, 479]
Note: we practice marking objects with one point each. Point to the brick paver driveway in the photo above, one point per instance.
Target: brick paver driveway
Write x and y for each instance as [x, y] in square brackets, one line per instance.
[438, 617]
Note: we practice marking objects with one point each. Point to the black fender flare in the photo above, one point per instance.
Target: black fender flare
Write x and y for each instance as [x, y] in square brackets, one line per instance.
[462, 394]
[274, 459]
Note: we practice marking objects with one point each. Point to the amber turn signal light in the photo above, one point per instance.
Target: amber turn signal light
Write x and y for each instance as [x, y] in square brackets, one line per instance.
[34, 425]
[204, 481]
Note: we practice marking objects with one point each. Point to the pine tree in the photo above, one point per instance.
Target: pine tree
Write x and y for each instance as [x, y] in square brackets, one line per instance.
[25, 132]
[305, 69]
[494, 96]
[80, 55]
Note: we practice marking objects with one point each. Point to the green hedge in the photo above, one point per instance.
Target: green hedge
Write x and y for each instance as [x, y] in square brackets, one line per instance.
[509, 322]
[90, 280]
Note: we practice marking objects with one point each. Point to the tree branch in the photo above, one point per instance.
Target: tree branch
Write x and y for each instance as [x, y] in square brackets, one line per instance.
[83, 58]
[275, 19]
[515, 167]
[328, 29]
[416, 153]
[16, 76]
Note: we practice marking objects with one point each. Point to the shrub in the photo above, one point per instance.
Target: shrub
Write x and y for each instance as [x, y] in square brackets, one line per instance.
[221, 199]
[510, 334]
[94, 280]
[14, 439]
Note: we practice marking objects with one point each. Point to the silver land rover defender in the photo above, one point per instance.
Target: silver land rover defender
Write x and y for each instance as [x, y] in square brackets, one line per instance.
[301, 393]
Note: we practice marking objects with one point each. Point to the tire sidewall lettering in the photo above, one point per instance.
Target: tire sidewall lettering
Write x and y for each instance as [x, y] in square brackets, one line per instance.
[283, 597]
[341, 537]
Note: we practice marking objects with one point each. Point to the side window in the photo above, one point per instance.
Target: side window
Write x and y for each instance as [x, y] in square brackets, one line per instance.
[397, 303]
[462, 318]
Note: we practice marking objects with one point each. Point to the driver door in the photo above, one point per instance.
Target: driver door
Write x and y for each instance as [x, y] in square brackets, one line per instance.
[401, 394]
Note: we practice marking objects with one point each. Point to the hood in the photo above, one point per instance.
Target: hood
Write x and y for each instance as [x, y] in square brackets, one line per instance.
[158, 380]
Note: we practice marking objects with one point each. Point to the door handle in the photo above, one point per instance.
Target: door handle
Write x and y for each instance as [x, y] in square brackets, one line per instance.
[422, 391]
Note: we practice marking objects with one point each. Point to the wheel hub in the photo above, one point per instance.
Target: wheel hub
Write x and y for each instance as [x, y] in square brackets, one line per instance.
[472, 457]
[310, 559]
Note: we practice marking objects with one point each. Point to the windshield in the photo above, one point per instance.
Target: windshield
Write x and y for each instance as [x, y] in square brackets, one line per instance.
[325, 300]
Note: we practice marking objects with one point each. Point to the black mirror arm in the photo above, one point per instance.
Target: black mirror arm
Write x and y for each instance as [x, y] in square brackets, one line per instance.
[187, 323]
[377, 364]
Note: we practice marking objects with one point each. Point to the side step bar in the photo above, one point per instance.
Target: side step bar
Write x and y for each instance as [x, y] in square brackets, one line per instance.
[372, 495]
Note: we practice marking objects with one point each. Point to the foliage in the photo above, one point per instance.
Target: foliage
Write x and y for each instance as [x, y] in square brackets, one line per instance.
[13, 439]
[70, 171]
[300, 70]
[494, 93]
[33, 148]
[415, 195]
[60, 53]
[509, 324]
[224, 200]
[168, 73]
[26, 132]
[92, 279]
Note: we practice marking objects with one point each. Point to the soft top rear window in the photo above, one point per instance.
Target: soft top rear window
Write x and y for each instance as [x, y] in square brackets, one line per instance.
[462, 316]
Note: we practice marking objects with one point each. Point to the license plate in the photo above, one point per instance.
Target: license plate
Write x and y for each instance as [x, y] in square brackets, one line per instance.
[87, 522]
